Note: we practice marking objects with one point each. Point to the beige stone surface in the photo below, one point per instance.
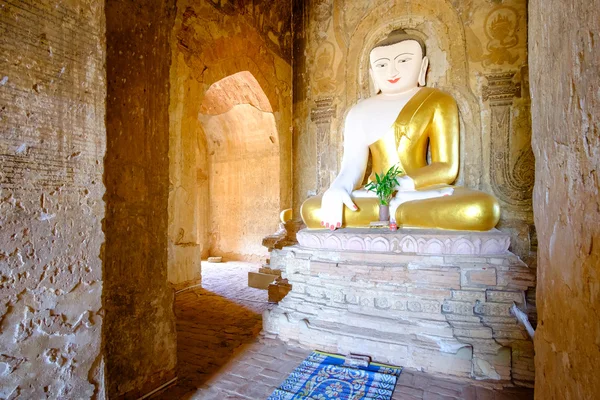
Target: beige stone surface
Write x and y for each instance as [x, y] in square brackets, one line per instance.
[223, 200]
[52, 144]
[478, 53]
[564, 62]
[139, 330]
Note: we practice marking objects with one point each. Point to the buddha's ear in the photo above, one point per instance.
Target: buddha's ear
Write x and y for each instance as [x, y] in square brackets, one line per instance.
[423, 72]
[377, 89]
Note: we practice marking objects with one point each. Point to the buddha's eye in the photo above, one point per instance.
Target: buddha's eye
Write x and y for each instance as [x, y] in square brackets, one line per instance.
[403, 60]
[381, 65]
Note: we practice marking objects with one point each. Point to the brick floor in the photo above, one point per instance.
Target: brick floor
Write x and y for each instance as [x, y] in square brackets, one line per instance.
[222, 353]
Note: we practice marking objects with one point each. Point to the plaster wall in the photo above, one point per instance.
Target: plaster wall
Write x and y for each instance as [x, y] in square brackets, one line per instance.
[243, 181]
[52, 144]
[211, 41]
[564, 61]
[139, 332]
[478, 53]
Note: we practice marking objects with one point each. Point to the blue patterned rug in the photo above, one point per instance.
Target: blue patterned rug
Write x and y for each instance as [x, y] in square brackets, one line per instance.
[323, 376]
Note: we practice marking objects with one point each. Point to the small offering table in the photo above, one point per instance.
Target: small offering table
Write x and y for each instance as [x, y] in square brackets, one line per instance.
[434, 300]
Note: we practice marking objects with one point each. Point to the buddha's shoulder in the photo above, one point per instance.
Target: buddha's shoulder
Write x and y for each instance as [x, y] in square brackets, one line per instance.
[363, 107]
[438, 96]
[365, 104]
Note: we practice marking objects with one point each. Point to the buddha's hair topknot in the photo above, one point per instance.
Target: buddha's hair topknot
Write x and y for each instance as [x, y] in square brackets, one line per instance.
[400, 35]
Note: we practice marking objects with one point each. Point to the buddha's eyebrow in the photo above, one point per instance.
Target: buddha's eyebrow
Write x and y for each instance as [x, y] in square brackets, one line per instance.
[401, 54]
[383, 58]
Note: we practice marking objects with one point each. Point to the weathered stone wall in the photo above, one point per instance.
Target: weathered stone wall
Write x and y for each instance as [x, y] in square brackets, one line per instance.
[52, 142]
[564, 61]
[139, 331]
[211, 41]
[243, 181]
[478, 53]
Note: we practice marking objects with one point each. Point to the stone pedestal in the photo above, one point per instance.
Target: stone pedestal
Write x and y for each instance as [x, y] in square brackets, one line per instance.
[434, 300]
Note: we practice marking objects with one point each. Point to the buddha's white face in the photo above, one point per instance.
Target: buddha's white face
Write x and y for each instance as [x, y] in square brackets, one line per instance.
[398, 67]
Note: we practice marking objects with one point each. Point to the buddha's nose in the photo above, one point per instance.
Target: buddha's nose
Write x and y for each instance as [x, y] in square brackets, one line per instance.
[393, 69]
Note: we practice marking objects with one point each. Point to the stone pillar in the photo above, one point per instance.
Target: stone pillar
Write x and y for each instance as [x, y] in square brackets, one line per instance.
[564, 59]
[139, 333]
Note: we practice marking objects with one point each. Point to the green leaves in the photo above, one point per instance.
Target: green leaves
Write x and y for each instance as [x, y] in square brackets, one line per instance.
[385, 185]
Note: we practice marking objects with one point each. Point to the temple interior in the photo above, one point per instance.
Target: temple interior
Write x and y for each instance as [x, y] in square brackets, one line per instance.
[142, 139]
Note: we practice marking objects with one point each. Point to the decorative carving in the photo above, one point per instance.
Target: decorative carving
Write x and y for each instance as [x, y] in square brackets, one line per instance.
[323, 11]
[500, 27]
[323, 74]
[500, 89]
[409, 241]
[512, 167]
[324, 111]
[322, 116]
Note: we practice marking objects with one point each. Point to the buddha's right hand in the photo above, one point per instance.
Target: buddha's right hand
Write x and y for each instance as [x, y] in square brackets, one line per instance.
[332, 207]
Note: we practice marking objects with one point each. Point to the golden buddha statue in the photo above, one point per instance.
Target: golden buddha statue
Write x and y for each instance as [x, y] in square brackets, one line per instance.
[397, 127]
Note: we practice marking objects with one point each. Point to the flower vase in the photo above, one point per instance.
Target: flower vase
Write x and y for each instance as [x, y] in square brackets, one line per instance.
[384, 212]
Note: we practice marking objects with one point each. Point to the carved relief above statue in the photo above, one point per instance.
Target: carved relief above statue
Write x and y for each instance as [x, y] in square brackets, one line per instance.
[323, 10]
[399, 126]
[323, 75]
[500, 27]
[352, 13]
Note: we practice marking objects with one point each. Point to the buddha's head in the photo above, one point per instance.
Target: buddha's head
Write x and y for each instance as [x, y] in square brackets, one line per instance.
[398, 63]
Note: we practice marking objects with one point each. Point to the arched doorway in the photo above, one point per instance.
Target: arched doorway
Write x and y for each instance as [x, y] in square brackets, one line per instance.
[243, 167]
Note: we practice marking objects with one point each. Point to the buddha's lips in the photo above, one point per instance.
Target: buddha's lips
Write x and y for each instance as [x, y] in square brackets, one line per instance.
[393, 80]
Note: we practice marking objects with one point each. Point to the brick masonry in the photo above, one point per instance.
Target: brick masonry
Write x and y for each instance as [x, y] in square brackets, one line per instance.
[442, 314]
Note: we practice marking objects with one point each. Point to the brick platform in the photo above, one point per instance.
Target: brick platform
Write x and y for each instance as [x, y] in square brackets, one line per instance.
[438, 312]
[221, 358]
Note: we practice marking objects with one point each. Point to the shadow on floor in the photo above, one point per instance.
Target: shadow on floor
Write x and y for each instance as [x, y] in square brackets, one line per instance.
[211, 329]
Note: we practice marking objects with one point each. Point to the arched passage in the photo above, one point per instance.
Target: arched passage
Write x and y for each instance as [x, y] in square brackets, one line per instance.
[243, 165]
[202, 58]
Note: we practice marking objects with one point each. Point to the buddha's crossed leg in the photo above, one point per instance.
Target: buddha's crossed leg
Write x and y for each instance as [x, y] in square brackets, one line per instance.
[465, 209]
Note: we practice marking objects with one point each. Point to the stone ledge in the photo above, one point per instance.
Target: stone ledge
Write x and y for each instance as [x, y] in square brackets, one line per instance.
[411, 241]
